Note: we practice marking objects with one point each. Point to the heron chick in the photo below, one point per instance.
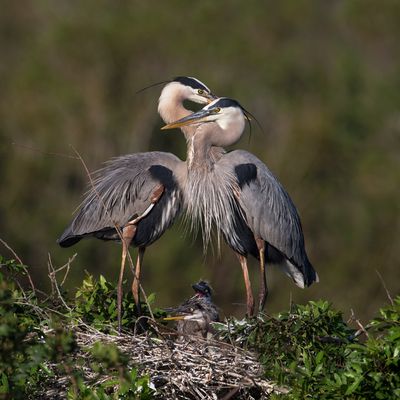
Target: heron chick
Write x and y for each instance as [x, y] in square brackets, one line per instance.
[195, 315]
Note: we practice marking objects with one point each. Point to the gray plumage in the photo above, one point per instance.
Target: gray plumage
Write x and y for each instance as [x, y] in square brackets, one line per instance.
[140, 195]
[239, 195]
[270, 215]
[136, 197]
[121, 192]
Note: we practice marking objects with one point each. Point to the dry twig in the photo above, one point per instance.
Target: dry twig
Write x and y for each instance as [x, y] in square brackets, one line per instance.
[20, 262]
[54, 283]
[385, 287]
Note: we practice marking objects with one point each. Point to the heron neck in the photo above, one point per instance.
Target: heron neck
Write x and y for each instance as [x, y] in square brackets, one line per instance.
[199, 153]
[171, 109]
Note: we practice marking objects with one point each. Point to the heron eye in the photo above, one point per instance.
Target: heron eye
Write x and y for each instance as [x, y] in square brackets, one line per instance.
[216, 110]
[200, 91]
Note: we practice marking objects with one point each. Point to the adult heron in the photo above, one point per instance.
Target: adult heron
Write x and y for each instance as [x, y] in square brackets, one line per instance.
[237, 193]
[136, 197]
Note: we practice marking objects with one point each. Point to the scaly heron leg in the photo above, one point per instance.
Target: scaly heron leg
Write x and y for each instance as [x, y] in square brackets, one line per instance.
[128, 232]
[249, 293]
[155, 196]
[263, 280]
[136, 279]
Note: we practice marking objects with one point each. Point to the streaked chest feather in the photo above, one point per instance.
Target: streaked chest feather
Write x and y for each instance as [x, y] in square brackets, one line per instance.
[209, 198]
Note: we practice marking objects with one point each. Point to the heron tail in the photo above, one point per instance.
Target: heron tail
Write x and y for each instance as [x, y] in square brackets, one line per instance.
[68, 239]
[302, 276]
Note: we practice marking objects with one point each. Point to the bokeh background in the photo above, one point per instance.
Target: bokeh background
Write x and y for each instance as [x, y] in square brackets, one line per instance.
[322, 77]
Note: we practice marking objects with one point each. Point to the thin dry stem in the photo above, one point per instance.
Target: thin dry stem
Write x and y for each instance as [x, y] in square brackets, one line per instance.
[54, 283]
[46, 153]
[385, 287]
[20, 262]
[67, 265]
[361, 330]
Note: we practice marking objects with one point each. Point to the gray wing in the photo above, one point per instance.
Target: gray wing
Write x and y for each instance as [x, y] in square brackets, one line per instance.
[270, 212]
[121, 191]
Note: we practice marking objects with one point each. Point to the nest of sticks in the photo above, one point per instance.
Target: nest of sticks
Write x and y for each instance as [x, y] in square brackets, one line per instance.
[193, 368]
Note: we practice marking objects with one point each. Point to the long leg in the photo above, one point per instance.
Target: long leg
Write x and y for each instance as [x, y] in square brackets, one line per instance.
[249, 292]
[263, 280]
[136, 279]
[127, 235]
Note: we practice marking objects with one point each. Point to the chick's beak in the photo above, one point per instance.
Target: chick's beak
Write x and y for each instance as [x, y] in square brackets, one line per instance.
[176, 318]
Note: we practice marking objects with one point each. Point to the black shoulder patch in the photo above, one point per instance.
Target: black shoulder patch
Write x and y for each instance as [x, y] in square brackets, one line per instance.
[164, 175]
[245, 173]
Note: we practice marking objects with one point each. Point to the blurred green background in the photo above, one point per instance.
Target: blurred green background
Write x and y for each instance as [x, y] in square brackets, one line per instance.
[322, 77]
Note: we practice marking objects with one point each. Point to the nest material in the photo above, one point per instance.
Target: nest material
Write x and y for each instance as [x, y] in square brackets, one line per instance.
[188, 369]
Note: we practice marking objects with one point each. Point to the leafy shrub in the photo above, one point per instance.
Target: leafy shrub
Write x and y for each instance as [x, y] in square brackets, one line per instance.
[309, 349]
[373, 369]
[20, 357]
[27, 352]
[96, 305]
[312, 351]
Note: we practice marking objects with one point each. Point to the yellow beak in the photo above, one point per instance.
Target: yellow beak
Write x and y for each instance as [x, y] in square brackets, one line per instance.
[177, 318]
[194, 118]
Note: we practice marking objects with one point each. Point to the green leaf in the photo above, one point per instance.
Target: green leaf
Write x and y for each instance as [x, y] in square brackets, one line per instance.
[151, 298]
[319, 357]
[352, 388]
[4, 386]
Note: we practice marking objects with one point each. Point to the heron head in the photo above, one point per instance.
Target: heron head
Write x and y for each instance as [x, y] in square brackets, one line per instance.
[187, 88]
[202, 289]
[223, 111]
[227, 113]
[195, 90]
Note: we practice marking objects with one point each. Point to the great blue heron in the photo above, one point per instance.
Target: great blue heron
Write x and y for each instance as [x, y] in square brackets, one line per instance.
[238, 194]
[136, 197]
[195, 315]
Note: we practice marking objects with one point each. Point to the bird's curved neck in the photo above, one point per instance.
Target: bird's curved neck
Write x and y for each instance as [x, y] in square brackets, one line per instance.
[171, 109]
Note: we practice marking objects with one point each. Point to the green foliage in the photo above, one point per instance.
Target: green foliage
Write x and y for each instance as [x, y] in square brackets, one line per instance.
[374, 367]
[312, 351]
[129, 385]
[26, 352]
[96, 304]
[12, 266]
[20, 357]
[125, 382]
[309, 349]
